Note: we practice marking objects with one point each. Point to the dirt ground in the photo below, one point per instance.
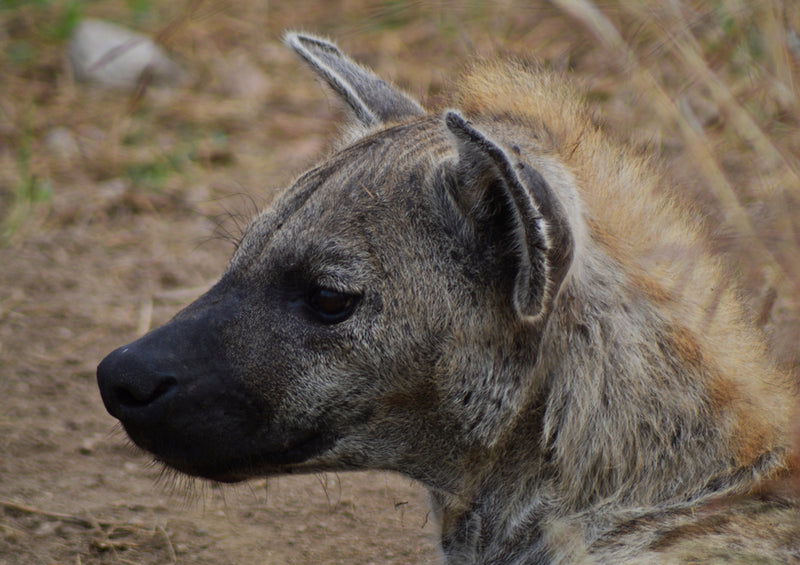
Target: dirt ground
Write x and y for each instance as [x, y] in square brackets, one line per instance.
[117, 208]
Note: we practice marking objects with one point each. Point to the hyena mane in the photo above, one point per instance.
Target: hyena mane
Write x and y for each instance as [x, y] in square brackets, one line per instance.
[652, 310]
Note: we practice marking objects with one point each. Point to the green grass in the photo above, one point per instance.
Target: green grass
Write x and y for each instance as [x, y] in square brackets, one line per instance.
[29, 192]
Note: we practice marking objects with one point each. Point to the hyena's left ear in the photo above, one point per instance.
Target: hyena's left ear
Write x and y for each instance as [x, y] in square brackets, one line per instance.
[373, 101]
[503, 196]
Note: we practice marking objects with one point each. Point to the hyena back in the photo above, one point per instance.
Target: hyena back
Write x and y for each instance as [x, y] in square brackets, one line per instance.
[500, 302]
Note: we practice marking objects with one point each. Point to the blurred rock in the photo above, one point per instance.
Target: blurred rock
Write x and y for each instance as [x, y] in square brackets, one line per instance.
[61, 143]
[110, 55]
[47, 529]
[88, 445]
[112, 189]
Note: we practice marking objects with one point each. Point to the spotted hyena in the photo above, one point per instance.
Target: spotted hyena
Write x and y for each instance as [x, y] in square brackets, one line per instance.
[500, 302]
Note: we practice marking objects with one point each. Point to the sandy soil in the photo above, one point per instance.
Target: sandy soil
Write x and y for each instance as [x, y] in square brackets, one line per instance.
[134, 226]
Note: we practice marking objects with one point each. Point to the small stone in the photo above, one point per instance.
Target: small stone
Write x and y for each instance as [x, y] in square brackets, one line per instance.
[89, 444]
[61, 143]
[46, 529]
[112, 189]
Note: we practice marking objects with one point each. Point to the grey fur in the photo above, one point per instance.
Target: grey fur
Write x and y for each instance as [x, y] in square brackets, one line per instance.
[444, 298]
[372, 100]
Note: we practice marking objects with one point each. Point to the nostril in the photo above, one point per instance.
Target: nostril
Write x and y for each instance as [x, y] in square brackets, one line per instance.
[140, 381]
[131, 397]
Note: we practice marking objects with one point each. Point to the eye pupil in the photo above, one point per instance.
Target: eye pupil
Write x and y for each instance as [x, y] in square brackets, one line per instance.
[331, 302]
[331, 305]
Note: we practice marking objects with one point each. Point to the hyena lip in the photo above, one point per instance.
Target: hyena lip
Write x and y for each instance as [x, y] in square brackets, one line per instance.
[218, 463]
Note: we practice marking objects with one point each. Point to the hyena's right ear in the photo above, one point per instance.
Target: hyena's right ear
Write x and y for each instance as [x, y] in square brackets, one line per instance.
[373, 101]
[503, 196]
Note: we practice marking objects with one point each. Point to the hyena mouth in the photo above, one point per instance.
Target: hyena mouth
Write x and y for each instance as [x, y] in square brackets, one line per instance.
[220, 461]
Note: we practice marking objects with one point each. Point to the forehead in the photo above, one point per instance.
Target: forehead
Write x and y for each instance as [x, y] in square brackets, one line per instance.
[375, 185]
[382, 168]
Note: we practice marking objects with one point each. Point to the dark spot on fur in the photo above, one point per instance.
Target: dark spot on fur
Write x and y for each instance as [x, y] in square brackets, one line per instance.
[711, 525]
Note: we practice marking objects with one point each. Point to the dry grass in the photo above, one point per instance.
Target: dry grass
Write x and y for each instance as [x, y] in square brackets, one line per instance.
[711, 85]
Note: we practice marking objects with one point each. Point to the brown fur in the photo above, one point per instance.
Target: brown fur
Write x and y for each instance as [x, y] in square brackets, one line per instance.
[648, 233]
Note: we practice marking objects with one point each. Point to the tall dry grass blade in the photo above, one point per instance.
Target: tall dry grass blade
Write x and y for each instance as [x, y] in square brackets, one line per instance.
[777, 43]
[676, 31]
[687, 46]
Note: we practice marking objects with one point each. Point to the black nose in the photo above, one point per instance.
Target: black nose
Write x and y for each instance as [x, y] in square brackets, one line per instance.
[134, 384]
[168, 374]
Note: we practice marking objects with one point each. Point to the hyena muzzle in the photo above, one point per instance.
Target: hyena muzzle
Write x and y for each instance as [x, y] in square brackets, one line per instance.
[500, 302]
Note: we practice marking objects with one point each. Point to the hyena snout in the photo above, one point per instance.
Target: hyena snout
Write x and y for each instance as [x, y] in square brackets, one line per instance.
[139, 381]
[174, 394]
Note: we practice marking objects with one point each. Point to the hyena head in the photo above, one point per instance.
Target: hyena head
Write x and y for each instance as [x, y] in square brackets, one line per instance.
[385, 312]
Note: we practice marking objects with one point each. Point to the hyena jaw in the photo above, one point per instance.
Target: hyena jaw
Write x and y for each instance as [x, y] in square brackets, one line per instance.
[499, 301]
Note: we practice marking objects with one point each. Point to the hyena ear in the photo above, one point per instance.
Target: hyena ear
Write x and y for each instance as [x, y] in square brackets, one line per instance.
[511, 202]
[373, 101]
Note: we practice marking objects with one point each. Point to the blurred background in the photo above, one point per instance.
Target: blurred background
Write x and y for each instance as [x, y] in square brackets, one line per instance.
[121, 193]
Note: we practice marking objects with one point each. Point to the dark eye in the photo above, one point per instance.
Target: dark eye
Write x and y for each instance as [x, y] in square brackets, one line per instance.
[331, 306]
